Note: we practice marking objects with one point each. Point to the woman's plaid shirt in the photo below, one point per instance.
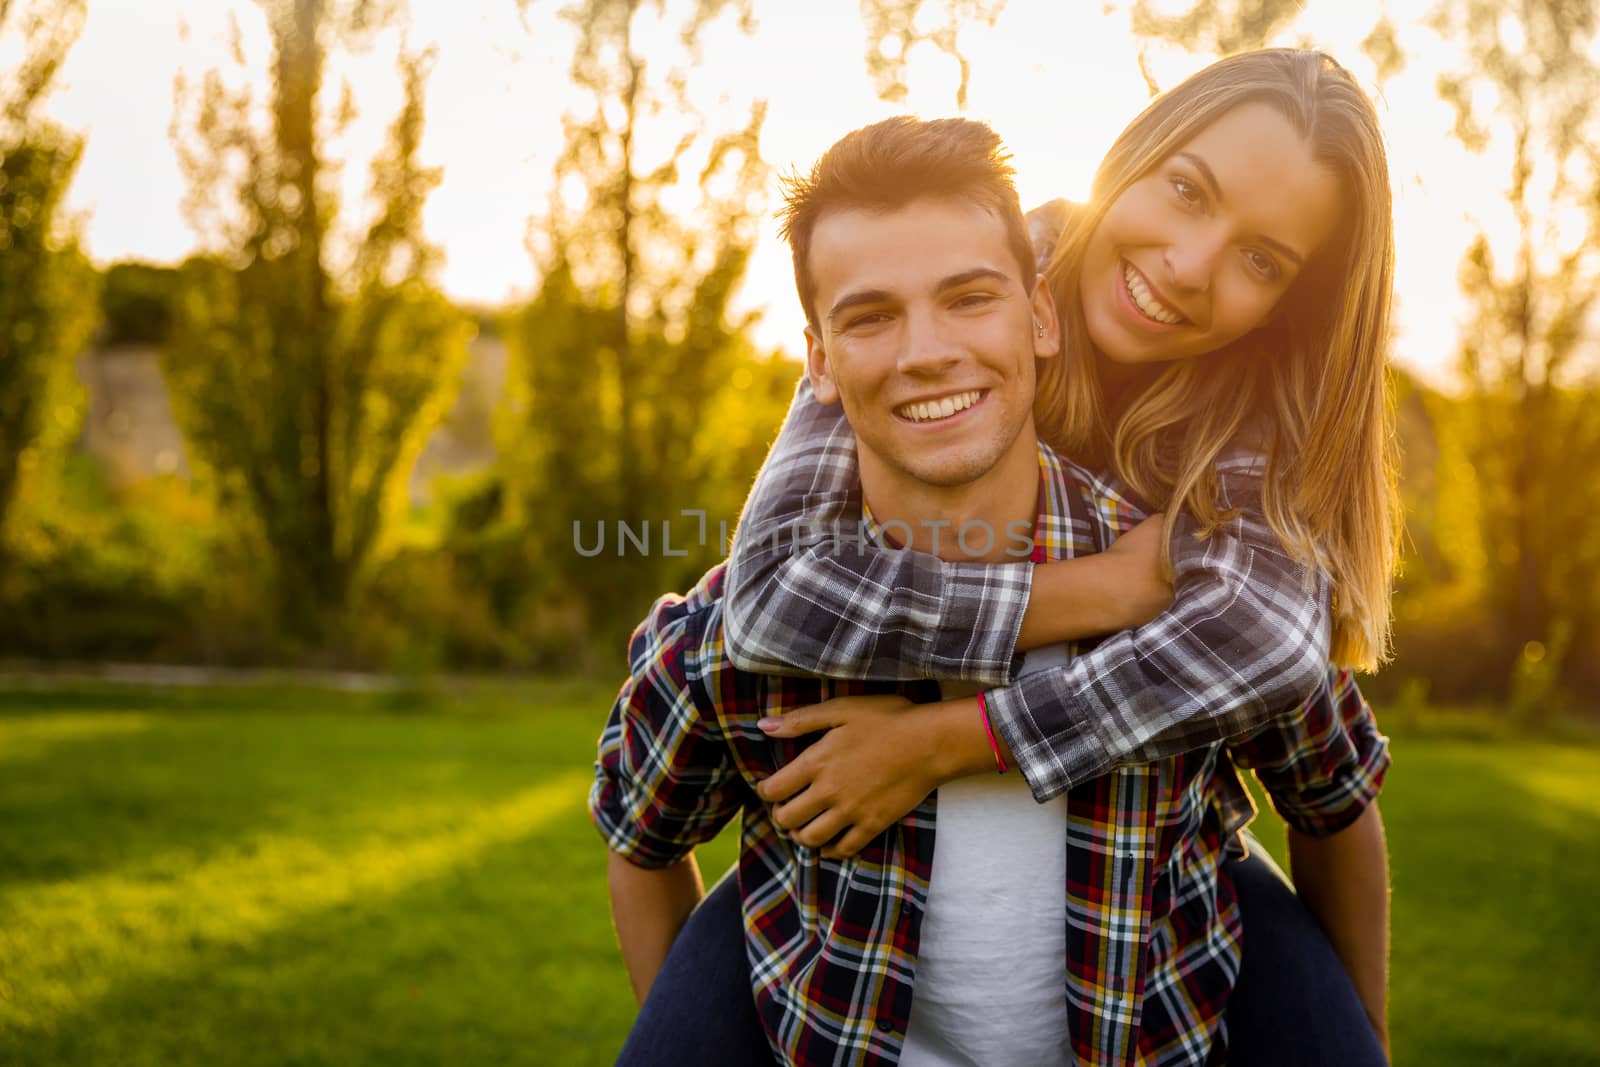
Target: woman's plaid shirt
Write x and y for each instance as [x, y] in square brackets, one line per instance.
[1152, 924]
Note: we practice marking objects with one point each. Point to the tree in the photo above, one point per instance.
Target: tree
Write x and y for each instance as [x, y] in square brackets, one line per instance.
[631, 339]
[307, 382]
[1211, 27]
[47, 292]
[1218, 27]
[895, 27]
[1530, 78]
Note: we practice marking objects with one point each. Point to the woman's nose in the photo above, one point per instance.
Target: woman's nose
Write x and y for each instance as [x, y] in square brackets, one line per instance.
[1191, 262]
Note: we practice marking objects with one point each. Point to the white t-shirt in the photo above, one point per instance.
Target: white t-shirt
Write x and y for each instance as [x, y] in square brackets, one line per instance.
[991, 963]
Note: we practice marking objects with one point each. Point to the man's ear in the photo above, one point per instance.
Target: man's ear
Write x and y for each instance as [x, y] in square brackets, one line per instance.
[818, 370]
[1046, 326]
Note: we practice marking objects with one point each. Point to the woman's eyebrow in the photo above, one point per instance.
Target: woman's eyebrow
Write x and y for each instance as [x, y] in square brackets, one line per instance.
[1209, 177]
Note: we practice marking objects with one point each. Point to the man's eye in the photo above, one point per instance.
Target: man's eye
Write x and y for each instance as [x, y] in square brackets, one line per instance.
[1187, 191]
[972, 300]
[1263, 265]
[871, 318]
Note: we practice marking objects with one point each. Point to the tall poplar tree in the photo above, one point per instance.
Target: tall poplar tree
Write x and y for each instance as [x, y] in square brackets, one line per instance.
[631, 339]
[1530, 82]
[307, 379]
[47, 290]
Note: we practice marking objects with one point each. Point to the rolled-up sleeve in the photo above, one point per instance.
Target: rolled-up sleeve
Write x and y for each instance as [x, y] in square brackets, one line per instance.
[1246, 638]
[664, 780]
[1323, 764]
[806, 596]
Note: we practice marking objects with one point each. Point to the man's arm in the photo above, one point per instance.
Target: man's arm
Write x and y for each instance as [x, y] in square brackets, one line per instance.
[649, 907]
[1323, 768]
[1344, 879]
[665, 781]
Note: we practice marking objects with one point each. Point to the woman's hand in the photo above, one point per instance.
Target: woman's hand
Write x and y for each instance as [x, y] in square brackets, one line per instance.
[876, 763]
[1145, 586]
[1125, 586]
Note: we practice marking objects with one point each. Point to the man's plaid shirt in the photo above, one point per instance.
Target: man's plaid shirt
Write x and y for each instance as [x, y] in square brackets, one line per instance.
[1152, 924]
[1245, 638]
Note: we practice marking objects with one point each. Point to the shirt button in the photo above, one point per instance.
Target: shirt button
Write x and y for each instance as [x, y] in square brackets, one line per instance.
[885, 1025]
[905, 908]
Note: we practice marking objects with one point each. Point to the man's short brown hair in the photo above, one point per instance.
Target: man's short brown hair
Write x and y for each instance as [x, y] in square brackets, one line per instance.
[885, 166]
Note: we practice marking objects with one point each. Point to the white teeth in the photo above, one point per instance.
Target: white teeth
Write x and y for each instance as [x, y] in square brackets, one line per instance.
[1144, 300]
[931, 410]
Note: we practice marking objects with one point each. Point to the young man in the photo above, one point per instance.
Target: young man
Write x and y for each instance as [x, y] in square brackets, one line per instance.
[1094, 929]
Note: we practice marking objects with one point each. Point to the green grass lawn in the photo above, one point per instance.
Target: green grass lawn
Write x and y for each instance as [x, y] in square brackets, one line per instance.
[203, 877]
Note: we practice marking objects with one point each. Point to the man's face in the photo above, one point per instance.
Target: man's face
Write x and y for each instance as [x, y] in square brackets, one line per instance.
[927, 332]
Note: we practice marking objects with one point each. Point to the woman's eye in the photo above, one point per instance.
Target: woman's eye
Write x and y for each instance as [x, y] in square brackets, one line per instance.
[1263, 265]
[1187, 191]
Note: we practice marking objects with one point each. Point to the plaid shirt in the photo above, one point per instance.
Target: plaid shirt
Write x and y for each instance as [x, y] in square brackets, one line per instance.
[1245, 638]
[1152, 924]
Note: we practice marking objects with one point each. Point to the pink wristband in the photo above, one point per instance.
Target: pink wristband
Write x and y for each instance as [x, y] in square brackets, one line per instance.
[983, 713]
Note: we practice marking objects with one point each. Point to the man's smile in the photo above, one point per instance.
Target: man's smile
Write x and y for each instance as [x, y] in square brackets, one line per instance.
[940, 409]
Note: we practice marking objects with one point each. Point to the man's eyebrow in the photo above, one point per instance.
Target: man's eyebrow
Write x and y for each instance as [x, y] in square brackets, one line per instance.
[1208, 176]
[976, 274]
[856, 299]
[883, 296]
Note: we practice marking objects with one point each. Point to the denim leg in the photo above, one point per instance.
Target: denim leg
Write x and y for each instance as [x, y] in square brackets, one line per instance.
[700, 1009]
[1294, 1003]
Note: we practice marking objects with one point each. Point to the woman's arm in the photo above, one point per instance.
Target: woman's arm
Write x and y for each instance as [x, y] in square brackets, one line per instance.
[804, 596]
[1246, 638]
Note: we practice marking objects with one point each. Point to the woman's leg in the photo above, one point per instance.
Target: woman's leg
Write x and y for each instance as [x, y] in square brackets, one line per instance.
[1294, 1002]
[700, 1009]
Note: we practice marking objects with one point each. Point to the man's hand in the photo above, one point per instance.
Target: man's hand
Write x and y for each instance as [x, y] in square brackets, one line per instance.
[877, 762]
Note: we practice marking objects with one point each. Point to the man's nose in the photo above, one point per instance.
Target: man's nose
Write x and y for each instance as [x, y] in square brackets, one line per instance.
[929, 346]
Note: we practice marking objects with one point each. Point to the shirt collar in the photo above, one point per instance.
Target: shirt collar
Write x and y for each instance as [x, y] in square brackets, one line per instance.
[1050, 525]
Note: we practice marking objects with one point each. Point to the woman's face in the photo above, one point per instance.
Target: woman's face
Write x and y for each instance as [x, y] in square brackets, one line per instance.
[1198, 252]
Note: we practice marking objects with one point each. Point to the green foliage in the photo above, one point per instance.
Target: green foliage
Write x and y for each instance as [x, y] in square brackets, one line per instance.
[101, 573]
[1528, 447]
[630, 344]
[47, 296]
[137, 301]
[1217, 27]
[1382, 46]
[895, 27]
[307, 385]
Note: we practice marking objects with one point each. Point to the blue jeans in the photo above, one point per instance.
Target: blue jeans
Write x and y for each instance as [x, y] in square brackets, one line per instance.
[1293, 1003]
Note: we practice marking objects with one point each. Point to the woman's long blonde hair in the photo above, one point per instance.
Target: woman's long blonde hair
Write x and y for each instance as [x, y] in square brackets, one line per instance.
[1309, 388]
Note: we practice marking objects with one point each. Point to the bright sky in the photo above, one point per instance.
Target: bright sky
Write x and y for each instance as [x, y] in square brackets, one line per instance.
[1057, 80]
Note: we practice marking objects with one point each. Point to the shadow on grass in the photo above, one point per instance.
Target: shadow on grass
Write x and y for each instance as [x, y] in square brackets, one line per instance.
[508, 958]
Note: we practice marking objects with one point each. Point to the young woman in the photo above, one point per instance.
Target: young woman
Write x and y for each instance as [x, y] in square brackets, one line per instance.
[1224, 298]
